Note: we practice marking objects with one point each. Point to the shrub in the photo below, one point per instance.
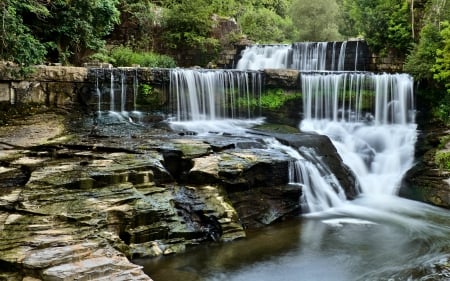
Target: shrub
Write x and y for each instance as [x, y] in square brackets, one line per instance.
[124, 56]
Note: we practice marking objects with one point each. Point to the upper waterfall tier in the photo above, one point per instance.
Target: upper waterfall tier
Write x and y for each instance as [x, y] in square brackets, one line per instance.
[307, 56]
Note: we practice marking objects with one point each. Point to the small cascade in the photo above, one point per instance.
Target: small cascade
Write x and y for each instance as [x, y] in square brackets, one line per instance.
[356, 56]
[99, 94]
[112, 96]
[305, 56]
[114, 93]
[341, 59]
[321, 189]
[123, 92]
[205, 95]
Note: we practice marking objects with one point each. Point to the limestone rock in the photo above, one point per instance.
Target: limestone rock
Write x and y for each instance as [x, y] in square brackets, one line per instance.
[282, 78]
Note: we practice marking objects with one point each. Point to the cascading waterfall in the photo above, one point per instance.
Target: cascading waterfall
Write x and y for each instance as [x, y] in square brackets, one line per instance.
[369, 118]
[209, 98]
[320, 187]
[306, 56]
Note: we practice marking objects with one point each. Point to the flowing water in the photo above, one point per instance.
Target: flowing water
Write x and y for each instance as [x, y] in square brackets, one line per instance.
[377, 236]
[305, 56]
[370, 120]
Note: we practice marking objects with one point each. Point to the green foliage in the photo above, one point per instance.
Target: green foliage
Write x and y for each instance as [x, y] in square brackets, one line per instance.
[316, 20]
[148, 96]
[140, 18]
[76, 27]
[441, 67]
[124, 56]
[189, 23]
[442, 159]
[17, 43]
[399, 27]
[271, 99]
[274, 99]
[265, 26]
[145, 90]
[385, 24]
[441, 108]
[421, 60]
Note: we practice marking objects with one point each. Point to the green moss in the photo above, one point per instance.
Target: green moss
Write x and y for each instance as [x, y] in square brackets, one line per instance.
[271, 99]
[149, 96]
[443, 141]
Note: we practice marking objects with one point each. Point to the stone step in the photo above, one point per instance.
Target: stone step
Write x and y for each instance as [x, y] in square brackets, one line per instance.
[98, 268]
[47, 257]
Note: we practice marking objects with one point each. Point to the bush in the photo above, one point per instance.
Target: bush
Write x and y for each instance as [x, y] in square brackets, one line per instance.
[124, 56]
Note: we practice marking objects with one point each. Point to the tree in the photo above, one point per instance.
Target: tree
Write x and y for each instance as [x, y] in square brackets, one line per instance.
[75, 29]
[189, 23]
[316, 20]
[423, 56]
[384, 24]
[265, 26]
[441, 67]
[140, 22]
[18, 44]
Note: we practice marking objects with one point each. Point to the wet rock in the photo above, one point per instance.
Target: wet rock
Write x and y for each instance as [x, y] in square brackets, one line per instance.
[324, 152]
[426, 181]
[78, 205]
[284, 78]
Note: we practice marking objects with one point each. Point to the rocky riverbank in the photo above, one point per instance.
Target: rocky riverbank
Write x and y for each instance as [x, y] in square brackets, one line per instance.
[79, 197]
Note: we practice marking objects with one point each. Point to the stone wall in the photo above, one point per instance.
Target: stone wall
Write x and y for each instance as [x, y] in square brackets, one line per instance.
[61, 86]
[388, 63]
[49, 85]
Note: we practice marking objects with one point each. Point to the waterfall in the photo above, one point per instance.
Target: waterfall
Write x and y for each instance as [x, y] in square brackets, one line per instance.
[341, 60]
[309, 56]
[111, 86]
[306, 56]
[99, 95]
[264, 56]
[384, 98]
[320, 187]
[205, 100]
[369, 118]
[123, 92]
[112, 94]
